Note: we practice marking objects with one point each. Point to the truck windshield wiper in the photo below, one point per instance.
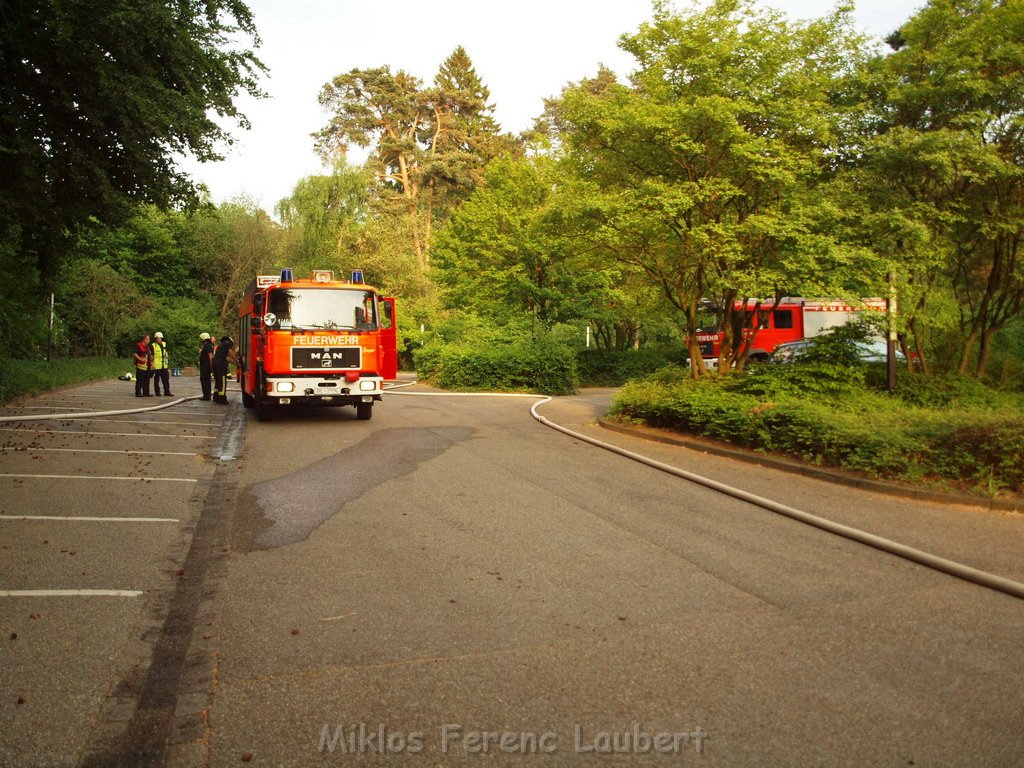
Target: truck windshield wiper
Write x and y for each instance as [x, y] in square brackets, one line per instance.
[328, 326]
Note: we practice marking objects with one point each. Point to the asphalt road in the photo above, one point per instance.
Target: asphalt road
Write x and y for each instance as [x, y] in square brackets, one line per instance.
[452, 583]
[96, 517]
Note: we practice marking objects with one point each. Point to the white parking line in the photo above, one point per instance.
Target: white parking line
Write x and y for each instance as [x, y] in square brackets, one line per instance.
[70, 592]
[40, 431]
[107, 477]
[19, 449]
[92, 519]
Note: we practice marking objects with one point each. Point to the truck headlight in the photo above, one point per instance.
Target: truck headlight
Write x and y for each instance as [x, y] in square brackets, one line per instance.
[286, 386]
[367, 386]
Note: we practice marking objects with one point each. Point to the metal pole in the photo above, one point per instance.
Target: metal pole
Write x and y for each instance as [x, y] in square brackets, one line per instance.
[588, 337]
[49, 333]
[890, 341]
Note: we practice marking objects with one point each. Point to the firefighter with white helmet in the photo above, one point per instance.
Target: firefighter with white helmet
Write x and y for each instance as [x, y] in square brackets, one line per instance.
[206, 365]
[161, 366]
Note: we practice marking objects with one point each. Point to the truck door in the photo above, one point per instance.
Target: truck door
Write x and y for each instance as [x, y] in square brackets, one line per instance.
[388, 339]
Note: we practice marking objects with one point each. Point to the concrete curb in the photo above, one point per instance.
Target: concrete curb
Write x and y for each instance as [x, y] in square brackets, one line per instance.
[818, 473]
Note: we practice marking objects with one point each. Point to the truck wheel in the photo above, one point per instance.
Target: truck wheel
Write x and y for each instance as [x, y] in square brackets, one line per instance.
[264, 411]
[248, 400]
[364, 411]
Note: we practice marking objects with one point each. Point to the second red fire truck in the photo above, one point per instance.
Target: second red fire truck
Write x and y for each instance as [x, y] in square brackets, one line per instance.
[791, 319]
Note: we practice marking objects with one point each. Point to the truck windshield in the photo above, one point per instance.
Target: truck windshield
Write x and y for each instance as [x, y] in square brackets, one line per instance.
[322, 308]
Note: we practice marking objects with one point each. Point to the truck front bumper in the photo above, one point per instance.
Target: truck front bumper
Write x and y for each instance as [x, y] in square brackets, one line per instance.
[323, 389]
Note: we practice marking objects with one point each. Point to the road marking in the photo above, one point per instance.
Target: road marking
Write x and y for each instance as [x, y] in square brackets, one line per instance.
[26, 449]
[92, 519]
[109, 434]
[107, 477]
[70, 592]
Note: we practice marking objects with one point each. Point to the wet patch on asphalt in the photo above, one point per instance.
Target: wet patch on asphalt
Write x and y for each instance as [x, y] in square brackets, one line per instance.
[288, 509]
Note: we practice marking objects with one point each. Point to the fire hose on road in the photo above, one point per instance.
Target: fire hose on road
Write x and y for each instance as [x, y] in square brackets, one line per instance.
[927, 559]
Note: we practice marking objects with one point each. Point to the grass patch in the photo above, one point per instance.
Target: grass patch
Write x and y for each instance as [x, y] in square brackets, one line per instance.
[950, 432]
[28, 377]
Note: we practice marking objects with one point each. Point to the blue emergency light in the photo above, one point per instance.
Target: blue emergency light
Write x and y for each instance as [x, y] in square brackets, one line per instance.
[286, 275]
[357, 276]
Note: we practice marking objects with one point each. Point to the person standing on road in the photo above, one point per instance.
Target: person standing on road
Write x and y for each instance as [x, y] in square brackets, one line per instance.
[206, 365]
[143, 357]
[225, 354]
[161, 370]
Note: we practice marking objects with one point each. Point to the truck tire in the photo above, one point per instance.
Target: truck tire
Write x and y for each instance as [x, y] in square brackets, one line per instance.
[248, 400]
[364, 411]
[264, 410]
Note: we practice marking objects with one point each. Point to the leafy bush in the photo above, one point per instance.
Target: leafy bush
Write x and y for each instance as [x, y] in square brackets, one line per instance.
[535, 368]
[181, 322]
[671, 374]
[810, 378]
[777, 409]
[991, 454]
[943, 391]
[701, 407]
[467, 352]
[612, 368]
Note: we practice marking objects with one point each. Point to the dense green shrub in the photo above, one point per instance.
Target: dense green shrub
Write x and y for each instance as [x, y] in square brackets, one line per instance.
[701, 407]
[521, 367]
[941, 391]
[991, 453]
[612, 368]
[978, 444]
[813, 378]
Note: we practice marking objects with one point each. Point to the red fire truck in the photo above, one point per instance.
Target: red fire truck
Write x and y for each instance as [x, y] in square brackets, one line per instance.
[316, 341]
[792, 319]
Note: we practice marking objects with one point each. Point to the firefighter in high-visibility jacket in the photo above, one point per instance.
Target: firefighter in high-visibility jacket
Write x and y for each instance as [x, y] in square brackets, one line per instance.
[224, 354]
[161, 365]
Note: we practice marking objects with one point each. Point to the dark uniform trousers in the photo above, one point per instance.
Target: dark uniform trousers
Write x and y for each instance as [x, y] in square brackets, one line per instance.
[220, 373]
[206, 379]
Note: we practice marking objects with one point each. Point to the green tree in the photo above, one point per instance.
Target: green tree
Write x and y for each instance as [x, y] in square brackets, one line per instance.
[946, 154]
[428, 144]
[510, 251]
[98, 98]
[323, 217]
[230, 245]
[389, 111]
[96, 304]
[467, 137]
[710, 160]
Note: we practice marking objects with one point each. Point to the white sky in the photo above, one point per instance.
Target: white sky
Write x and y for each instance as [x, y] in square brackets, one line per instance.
[523, 50]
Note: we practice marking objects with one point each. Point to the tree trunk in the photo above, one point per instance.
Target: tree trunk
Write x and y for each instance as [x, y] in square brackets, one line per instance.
[697, 368]
[983, 352]
[965, 357]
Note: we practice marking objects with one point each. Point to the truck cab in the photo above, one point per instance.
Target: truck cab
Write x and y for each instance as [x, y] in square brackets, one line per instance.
[316, 341]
